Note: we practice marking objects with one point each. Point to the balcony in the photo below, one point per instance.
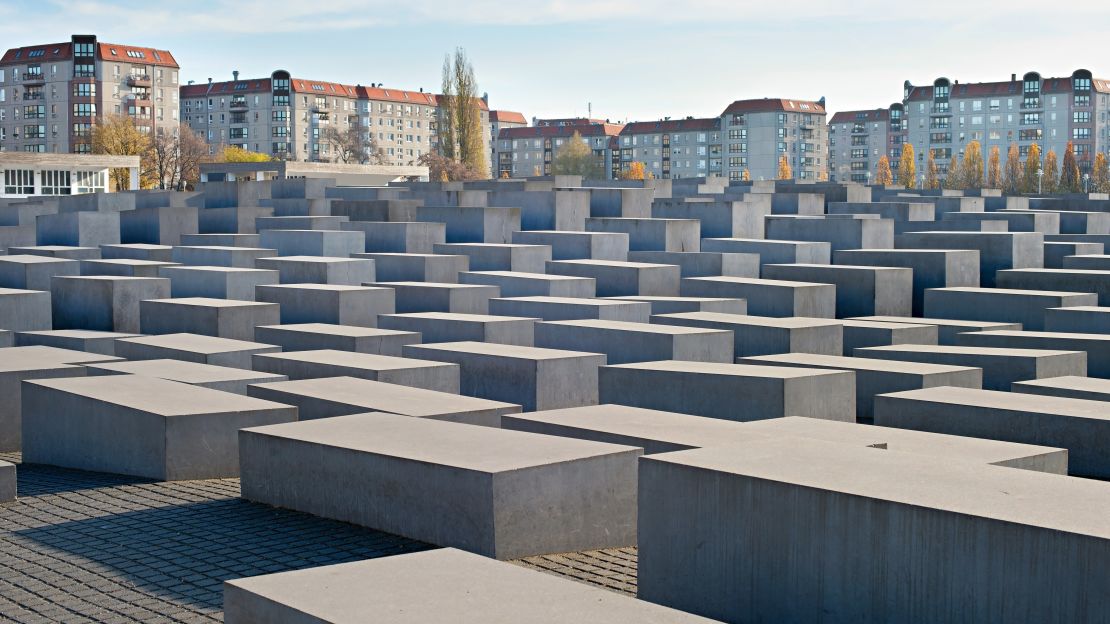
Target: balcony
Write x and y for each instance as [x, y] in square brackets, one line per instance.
[34, 79]
[141, 101]
[238, 105]
[139, 80]
[32, 96]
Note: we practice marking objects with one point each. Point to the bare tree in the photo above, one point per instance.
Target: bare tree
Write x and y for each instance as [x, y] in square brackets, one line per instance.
[354, 145]
[174, 159]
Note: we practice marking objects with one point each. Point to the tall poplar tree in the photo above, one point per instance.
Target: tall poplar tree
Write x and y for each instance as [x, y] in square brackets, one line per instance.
[1032, 165]
[932, 173]
[907, 168]
[1051, 172]
[1070, 181]
[994, 169]
[1012, 175]
[883, 175]
[971, 171]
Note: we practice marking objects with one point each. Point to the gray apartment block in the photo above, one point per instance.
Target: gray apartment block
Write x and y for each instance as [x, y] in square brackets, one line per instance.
[52, 94]
[289, 118]
[858, 139]
[526, 151]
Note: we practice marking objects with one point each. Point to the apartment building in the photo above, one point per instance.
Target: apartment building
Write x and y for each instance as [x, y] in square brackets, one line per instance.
[858, 139]
[945, 116]
[499, 119]
[673, 148]
[52, 94]
[757, 133]
[530, 151]
[289, 118]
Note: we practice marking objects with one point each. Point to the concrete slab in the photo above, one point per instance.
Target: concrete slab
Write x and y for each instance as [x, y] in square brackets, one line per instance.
[220, 255]
[827, 499]
[67, 252]
[651, 234]
[160, 429]
[1097, 346]
[676, 305]
[25, 310]
[447, 327]
[703, 263]
[193, 348]
[578, 245]
[997, 250]
[327, 243]
[859, 334]
[1005, 305]
[1078, 319]
[1068, 280]
[568, 309]
[320, 270]
[432, 297]
[767, 297]
[947, 329]
[316, 336]
[517, 284]
[327, 397]
[773, 251]
[8, 483]
[437, 587]
[761, 335]
[1072, 387]
[27, 272]
[624, 342]
[417, 267]
[1001, 366]
[502, 494]
[615, 279]
[335, 304]
[876, 376]
[753, 392]
[499, 256]
[860, 290]
[531, 377]
[405, 371]
[224, 318]
[100, 342]
[222, 378]
[1081, 426]
[217, 282]
[124, 267]
[103, 303]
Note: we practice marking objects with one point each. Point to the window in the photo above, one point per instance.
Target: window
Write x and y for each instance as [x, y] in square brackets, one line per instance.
[19, 182]
[81, 70]
[1082, 100]
[1081, 133]
[34, 112]
[736, 162]
[1081, 84]
[34, 132]
[281, 100]
[1081, 117]
[738, 133]
[84, 89]
[82, 49]
[55, 183]
[82, 129]
[1029, 119]
[859, 153]
[90, 181]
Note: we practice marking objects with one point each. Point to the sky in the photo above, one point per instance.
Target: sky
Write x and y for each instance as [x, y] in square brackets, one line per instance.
[623, 60]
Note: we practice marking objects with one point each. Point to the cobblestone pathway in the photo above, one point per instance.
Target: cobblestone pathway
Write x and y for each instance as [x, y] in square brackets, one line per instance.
[90, 547]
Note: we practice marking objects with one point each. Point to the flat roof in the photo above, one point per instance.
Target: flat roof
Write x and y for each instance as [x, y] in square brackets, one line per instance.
[67, 161]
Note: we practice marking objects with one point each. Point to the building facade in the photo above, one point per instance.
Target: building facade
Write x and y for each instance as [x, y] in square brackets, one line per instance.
[499, 119]
[530, 151]
[757, 133]
[52, 94]
[291, 118]
[673, 148]
[858, 139]
[947, 115]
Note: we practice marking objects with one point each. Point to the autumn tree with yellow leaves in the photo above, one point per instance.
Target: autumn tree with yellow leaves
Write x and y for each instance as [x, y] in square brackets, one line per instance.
[1051, 172]
[1070, 181]
[784, 169]
[1100, 174]
[1012, 175]
[994, 169]
[1029, 180]
[883, 175]
[932, 173]
[907, 168]
[971, 170]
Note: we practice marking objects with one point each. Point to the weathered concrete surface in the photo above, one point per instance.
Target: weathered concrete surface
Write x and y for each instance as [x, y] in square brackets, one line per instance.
[447, 327]
[193, 348]
[502, 494]
[222, 378]
[1001, 366]
[405, 371]
[159, 429]
[761, 335]
[316, 336]
[624, 342]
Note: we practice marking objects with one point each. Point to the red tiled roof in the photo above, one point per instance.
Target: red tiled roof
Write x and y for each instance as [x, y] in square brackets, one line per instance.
[569, 121]
[774, 105]
[334, 89]
[256, 85]
[879, 114]
[1004, 88]
[504, 116]
[602, 129]
[64, 52]
[671, 125]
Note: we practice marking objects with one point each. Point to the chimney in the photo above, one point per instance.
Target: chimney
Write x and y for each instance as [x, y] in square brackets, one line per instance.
[209, 81]
[190, 82]
[235, 75]
[1013, 77]
[421, 89]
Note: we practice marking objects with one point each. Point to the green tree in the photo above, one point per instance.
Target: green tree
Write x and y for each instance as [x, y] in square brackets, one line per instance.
[1012, 175]
[971, 171]
[575, 157]
[1070, 181]
[932, 173]
[883, 175]
[907, 168]
[460, 133]
[1032, 165]
[1051, 173]
[994, 169]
